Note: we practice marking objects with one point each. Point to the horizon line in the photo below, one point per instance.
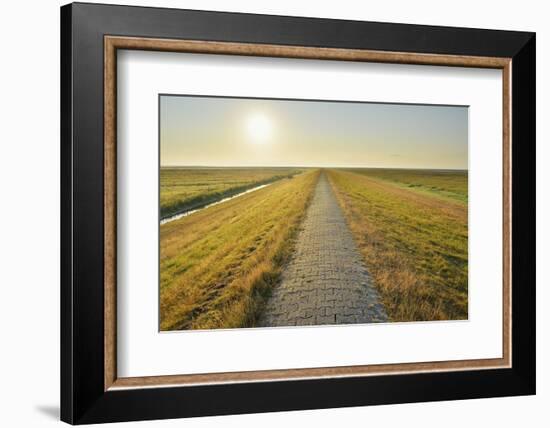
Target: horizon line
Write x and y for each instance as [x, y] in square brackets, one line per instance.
[307, 166]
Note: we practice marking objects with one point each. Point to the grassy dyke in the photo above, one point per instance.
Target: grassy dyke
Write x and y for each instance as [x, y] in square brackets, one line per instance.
[184, 189]
[447, 184]
[218, 265]
[414, 244]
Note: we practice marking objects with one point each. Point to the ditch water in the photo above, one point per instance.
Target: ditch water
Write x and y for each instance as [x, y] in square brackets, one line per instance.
[186, 213]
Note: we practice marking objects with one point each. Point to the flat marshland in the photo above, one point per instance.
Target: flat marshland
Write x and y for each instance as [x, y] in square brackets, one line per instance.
[184, 189]
[218, 265]
[447, 184]
[411, 227]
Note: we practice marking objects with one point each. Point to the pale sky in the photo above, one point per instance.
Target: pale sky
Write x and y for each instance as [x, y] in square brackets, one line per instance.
[214, 131]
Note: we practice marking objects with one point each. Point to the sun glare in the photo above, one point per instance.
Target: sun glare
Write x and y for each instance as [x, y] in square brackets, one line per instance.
[258, 127]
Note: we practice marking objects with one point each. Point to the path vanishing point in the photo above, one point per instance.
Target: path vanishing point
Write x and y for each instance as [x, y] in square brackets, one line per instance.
[326, 282]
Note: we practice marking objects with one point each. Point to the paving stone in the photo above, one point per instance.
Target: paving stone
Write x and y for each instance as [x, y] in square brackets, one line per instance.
[326, 282]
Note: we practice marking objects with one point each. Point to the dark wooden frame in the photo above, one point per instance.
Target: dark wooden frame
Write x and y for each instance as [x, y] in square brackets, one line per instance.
[90, 35]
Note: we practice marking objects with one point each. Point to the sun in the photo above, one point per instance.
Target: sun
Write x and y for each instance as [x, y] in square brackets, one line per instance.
[258, 127]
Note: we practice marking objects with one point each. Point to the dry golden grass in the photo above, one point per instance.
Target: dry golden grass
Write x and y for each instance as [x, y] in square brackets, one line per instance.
[218, 265]
[415, 245]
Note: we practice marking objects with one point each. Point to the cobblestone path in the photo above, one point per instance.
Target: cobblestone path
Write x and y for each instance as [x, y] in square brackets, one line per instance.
[326, 281]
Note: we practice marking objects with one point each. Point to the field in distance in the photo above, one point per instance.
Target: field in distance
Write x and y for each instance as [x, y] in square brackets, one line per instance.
[219, 265]
[450, 184]
[183, 189]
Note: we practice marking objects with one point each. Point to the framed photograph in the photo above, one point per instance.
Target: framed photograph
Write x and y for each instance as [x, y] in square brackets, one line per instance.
[265, 213]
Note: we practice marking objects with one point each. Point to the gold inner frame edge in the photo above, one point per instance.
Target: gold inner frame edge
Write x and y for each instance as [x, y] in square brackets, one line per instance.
[113, 43]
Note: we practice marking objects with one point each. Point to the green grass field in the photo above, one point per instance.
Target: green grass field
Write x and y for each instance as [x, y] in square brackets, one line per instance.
[218, 265]
[412, 228]
[447, 184]
[183, 189]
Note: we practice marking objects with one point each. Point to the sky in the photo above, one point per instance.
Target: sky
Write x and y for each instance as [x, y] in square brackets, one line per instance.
[216, 131]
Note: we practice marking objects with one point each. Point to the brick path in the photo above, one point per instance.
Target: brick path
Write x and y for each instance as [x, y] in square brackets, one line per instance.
[326, 282]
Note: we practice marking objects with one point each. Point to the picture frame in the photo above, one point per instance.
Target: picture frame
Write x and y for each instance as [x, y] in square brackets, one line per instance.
[91, 390]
